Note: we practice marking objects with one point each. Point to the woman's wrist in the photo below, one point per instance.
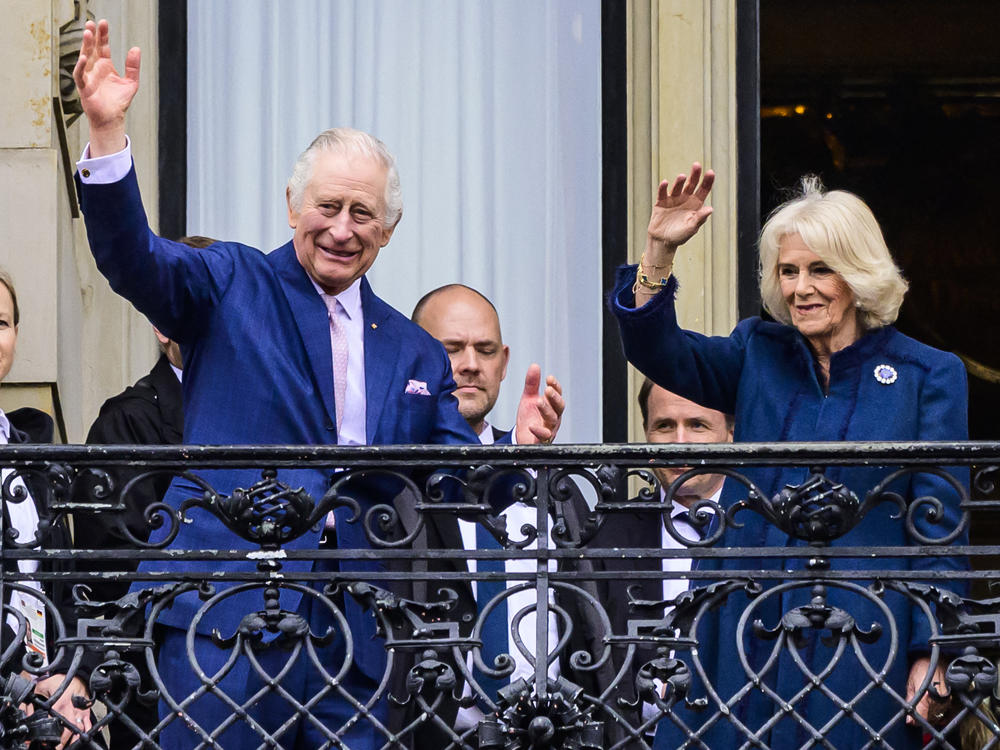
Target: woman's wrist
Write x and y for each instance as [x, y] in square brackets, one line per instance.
[657, 253]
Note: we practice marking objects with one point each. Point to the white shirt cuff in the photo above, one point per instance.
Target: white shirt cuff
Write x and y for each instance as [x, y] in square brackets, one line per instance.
[103, 170]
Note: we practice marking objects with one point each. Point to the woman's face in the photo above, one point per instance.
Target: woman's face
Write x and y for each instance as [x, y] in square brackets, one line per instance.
[8, 332]
[820, 302]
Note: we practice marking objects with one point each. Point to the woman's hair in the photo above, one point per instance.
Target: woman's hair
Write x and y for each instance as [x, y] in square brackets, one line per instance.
[840, 228]
[8, 282]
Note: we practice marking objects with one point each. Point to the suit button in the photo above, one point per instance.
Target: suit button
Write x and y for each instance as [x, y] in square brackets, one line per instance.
[467, 617]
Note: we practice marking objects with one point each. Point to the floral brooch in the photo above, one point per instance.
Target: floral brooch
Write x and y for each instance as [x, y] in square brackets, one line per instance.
[886, 374]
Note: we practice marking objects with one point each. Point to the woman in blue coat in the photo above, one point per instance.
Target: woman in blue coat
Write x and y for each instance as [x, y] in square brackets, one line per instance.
[831, 367]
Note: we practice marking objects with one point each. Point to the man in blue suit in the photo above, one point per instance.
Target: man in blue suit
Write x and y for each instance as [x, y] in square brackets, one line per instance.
[292, 347]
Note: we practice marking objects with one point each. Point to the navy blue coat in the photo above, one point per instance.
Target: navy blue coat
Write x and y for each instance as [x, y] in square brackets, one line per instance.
[765, 374]
[258, 370]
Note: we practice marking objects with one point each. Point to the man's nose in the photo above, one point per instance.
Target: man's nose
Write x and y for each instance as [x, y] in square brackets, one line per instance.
[341, 227]
[467, 361]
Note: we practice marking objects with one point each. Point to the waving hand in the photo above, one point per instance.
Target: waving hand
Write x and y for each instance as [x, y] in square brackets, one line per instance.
[104, 95]
[680, 208]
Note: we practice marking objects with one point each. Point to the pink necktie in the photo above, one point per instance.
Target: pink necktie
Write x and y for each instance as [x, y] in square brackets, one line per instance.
[338, 341]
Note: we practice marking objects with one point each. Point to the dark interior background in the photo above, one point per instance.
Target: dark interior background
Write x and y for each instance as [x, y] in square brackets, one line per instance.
[899, 102]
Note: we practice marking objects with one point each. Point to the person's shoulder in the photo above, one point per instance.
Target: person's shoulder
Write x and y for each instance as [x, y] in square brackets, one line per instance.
[135, 396]
[621, 529]
[34, 425]
[924, 355]
[756, 327]
[385, 315]
[118, 415]
[237, 251]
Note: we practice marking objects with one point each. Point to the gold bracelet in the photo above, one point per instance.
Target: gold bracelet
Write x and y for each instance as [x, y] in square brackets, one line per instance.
[644, 264]
[643, 280]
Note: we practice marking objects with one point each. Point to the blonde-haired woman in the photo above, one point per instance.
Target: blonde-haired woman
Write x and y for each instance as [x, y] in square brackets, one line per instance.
[830, 367]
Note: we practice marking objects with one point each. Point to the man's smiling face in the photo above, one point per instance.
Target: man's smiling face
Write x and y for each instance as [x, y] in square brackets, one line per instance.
[340, 224]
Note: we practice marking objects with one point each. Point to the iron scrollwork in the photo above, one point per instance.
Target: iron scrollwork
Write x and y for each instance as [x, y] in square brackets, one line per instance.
[597, 678]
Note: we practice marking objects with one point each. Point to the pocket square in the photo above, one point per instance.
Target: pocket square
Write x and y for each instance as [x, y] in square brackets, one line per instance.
[417, 388]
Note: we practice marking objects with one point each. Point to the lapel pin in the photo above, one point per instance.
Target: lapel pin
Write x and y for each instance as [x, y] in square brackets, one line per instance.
[374, 326]
[886, 374]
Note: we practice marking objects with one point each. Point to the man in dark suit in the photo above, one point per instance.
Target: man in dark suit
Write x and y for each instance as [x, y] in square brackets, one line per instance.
[666, 418]
[292, 347]
[467, 324]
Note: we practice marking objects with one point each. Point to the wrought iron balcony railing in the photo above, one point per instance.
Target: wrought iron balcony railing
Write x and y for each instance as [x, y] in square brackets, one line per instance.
[571, 633]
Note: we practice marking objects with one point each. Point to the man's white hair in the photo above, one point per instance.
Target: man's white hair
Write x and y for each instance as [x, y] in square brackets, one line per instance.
[348, 141]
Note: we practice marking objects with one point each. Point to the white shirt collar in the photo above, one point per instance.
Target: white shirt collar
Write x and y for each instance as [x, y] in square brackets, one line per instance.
[349, 299]
[677, 508]
[486, 434]
[4, 428]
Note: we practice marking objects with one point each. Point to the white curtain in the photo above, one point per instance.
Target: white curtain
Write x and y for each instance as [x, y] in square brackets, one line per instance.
[492, 109]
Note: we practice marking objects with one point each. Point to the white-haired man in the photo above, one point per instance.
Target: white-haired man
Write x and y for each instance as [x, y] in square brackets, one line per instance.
[291, 347]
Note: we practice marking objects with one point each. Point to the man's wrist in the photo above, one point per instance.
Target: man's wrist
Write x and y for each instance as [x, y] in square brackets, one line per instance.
[106, 169]
[107, 141]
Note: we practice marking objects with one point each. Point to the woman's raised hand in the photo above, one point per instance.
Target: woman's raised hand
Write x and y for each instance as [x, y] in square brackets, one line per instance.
[680, 208]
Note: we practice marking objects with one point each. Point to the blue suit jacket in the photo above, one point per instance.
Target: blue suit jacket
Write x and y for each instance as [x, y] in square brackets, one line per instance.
[258, 370]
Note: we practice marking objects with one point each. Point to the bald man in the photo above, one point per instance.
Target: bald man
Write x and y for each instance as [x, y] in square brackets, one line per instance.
[467, 325]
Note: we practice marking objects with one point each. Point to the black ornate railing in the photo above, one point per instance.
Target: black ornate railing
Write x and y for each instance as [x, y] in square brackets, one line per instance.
[806, 610]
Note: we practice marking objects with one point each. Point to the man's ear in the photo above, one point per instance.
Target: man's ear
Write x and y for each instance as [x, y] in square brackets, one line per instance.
[293, 215]
[506, 359]
[387, 231]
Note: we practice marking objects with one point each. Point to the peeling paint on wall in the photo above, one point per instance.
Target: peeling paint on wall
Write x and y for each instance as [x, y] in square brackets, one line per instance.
[41, 108]
[42, 37]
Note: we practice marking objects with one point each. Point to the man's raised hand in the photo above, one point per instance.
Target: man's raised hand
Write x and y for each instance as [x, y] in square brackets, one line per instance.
[104, 95]
[539, 414]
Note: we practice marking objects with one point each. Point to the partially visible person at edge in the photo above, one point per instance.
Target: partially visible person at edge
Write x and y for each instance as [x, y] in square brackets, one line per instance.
[290, 347]
[24, 613]
[831, 367]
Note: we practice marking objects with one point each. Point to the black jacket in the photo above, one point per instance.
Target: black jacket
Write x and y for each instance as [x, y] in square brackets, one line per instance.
[33, 426]
[147, 413]
[639, 530]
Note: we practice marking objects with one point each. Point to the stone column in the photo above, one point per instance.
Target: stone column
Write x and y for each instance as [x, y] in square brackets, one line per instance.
[682, 108]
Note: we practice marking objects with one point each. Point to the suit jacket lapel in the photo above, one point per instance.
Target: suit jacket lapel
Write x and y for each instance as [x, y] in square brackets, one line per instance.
[644, 531]
[381, 352]
[449, 536]
[310, 317]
